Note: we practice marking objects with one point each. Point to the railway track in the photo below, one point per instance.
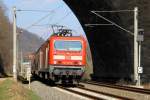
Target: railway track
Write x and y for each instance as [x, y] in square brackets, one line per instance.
[127, 88]
[93, 94]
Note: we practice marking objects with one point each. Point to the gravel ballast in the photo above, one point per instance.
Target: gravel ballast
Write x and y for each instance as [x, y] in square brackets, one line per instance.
[47, 92]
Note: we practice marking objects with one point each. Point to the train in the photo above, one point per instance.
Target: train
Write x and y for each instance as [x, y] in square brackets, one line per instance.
[62, 58]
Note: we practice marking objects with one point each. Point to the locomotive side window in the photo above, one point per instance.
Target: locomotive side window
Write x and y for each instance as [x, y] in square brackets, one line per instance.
[68, 45]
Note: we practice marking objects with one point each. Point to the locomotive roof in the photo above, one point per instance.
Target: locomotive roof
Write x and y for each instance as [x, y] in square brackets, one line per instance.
[66, 36]
[55, 36]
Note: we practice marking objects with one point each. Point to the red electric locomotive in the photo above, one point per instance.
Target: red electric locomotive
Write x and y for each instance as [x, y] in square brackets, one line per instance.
[62, 58]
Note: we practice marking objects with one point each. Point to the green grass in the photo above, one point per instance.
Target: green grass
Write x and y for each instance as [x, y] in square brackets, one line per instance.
[10, 90]
[4, 88]
[32, 96]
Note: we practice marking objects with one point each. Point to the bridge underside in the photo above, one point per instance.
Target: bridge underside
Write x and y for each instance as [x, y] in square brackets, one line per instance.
[110, 46]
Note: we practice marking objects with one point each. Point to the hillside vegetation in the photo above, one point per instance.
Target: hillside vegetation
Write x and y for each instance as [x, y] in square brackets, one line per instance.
[10, 90]
[28, 42]
[5, 41]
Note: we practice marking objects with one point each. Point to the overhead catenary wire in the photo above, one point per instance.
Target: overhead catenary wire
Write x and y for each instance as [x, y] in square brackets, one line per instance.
[44, 17]
[63, 18]
[113, 23]
[98, 24]
[114, 11]
[29, 10]
[45, 34]
[35, 10]
[38, 21]
[56, 23]
[50, 19]
[41, 19]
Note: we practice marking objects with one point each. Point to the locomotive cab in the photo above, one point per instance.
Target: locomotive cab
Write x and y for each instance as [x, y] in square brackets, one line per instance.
[67, 58]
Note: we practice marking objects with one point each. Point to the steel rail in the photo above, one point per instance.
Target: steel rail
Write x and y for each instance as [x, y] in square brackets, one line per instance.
[81, 94]
[106, 94]
[91, 96]
[132, 89]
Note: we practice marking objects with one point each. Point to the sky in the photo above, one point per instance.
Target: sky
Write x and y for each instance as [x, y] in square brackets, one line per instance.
[58, 13]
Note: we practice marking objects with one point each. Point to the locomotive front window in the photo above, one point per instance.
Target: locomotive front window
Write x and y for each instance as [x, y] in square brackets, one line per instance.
[68, 45]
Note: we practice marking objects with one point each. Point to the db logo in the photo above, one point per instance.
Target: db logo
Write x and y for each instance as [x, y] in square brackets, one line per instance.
[68, 57]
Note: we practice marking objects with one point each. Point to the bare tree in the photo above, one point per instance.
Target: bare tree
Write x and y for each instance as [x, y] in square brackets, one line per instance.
[5, 41]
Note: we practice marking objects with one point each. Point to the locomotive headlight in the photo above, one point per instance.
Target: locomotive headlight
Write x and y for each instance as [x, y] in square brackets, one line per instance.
[59, 57]
[55, 62]
[76, 57]
[80, 63]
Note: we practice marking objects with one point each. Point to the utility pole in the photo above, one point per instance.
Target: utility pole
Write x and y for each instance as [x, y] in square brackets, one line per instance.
[140, 39]
[139, 64]
[136, 45]
[137, 42]
[21, 61]
[14, 44]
